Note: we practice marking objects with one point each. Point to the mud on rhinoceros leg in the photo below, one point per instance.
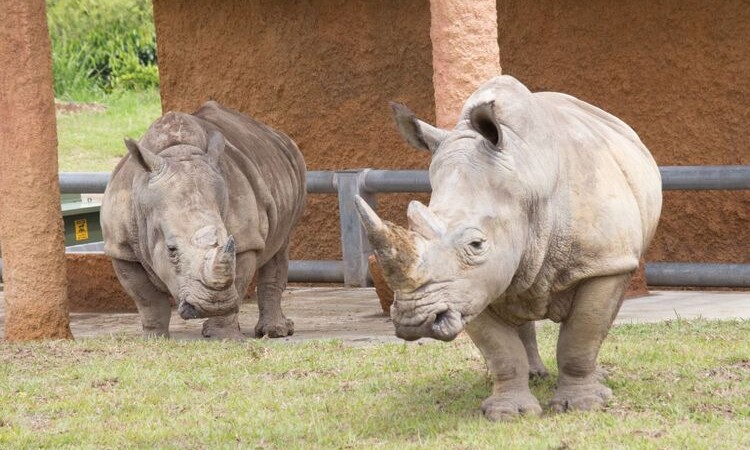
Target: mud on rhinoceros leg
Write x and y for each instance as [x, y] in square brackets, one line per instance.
[527, 332]
[154, 306]
[272, 279]
[507, 361]
[228, 327]
[594, 308]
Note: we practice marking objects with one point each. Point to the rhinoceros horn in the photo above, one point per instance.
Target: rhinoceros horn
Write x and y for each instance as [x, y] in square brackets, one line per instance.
[423, 221]
[394, 247]
[219, 268]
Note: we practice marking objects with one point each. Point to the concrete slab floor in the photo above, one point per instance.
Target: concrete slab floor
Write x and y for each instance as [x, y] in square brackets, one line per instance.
[354, 315]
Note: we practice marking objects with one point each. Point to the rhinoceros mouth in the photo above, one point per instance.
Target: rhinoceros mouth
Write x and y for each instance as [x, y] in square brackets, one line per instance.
[444, 326]
[190, 311]
[196, 301]
[431, 304]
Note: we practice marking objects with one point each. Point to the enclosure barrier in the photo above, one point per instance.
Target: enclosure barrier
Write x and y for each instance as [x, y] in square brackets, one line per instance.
[353, 270]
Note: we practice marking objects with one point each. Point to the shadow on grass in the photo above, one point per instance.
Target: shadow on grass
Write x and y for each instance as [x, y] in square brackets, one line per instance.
[436, 404]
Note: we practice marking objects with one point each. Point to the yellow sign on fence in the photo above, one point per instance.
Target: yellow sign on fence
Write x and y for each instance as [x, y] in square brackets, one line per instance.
[82, 230]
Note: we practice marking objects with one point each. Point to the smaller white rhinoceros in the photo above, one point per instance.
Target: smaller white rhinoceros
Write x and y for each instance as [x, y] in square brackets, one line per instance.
[541, 207]
[198, 204]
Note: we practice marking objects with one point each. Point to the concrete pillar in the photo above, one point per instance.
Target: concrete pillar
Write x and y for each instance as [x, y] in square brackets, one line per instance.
[31, 228]
[465, 52]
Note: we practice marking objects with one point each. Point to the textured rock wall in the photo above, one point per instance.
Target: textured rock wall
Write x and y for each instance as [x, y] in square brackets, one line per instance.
[93, 285]
[321, 71]
[31, 227]
[677, 72]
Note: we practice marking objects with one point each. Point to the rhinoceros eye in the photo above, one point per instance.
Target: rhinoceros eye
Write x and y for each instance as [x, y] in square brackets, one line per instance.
[476, 245]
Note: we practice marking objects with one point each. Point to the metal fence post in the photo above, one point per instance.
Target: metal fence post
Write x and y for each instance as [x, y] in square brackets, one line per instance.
[354, 244]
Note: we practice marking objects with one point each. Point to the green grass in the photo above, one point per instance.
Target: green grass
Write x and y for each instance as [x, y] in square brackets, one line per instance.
[92, 141]
[677, 385]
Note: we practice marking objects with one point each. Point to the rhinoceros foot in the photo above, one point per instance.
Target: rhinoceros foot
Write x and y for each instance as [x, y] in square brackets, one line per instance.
[509, 405]
[222, 328]
[537, 372]
[277, 328]
[582, 397]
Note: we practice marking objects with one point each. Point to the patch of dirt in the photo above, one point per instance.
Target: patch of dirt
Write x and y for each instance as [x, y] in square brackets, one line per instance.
[732, 372]
[352, 315]
[106, 384]
[75, 107]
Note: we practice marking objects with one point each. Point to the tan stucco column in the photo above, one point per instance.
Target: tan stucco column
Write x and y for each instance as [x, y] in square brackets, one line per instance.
[30, 222]
[465, 52]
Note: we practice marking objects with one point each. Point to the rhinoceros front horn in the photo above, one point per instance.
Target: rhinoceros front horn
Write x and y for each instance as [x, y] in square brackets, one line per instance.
[377, 230]
[394, 247]
[219, 267]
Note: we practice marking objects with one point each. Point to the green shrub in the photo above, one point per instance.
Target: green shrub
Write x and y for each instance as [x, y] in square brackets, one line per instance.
[102, 45]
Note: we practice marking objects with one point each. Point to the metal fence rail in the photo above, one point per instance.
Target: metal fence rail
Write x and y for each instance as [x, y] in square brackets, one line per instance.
[353, 271]
[390, 181]
[698, 274]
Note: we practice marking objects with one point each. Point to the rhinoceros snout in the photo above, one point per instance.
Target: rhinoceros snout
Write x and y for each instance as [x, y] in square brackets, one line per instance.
[444, 326]
[187, 311]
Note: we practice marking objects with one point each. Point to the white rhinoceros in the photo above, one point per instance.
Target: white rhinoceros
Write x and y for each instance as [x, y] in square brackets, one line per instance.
[198, 204]
[541, 207]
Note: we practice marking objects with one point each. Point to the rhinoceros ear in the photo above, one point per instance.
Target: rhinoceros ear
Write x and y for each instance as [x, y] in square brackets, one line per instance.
[151, 162]
[417, 133]
[215, 146]
[482, 119]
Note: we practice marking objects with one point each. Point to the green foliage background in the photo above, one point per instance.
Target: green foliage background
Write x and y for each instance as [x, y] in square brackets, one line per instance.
[101, 46]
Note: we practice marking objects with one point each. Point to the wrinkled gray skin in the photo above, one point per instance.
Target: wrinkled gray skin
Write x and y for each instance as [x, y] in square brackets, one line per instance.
[198, 204]
[542, 206]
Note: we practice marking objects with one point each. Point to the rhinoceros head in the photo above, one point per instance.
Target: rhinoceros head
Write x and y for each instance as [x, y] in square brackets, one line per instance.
[462, 251]
[180, 201]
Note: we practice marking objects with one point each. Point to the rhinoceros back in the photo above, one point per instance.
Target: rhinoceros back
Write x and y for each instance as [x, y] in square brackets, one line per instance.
[268, 162]
[263, 169]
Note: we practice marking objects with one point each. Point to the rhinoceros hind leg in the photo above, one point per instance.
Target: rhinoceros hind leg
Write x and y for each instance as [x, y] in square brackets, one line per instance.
[154, 306]
[222, 327]
[272, 278]
[527, 332]
[595, 306]
[506, 359]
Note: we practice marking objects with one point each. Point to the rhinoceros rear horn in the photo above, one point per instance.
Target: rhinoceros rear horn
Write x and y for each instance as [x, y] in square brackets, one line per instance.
[151, 162]
[229, 246]
[423, 221]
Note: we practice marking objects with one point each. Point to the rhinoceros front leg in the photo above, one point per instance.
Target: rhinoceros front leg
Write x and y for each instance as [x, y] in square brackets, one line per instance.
[154, 306]
[527, 332]
[594, 307]
[228, 327]
[506, 358]
[271, 284]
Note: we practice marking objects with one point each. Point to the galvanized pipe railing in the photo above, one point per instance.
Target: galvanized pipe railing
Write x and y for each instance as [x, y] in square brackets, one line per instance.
[698, 274]
[352, 271]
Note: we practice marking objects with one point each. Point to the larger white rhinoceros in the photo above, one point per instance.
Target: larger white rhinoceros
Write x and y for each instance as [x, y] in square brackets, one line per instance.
[198, 204]
[542, 206]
